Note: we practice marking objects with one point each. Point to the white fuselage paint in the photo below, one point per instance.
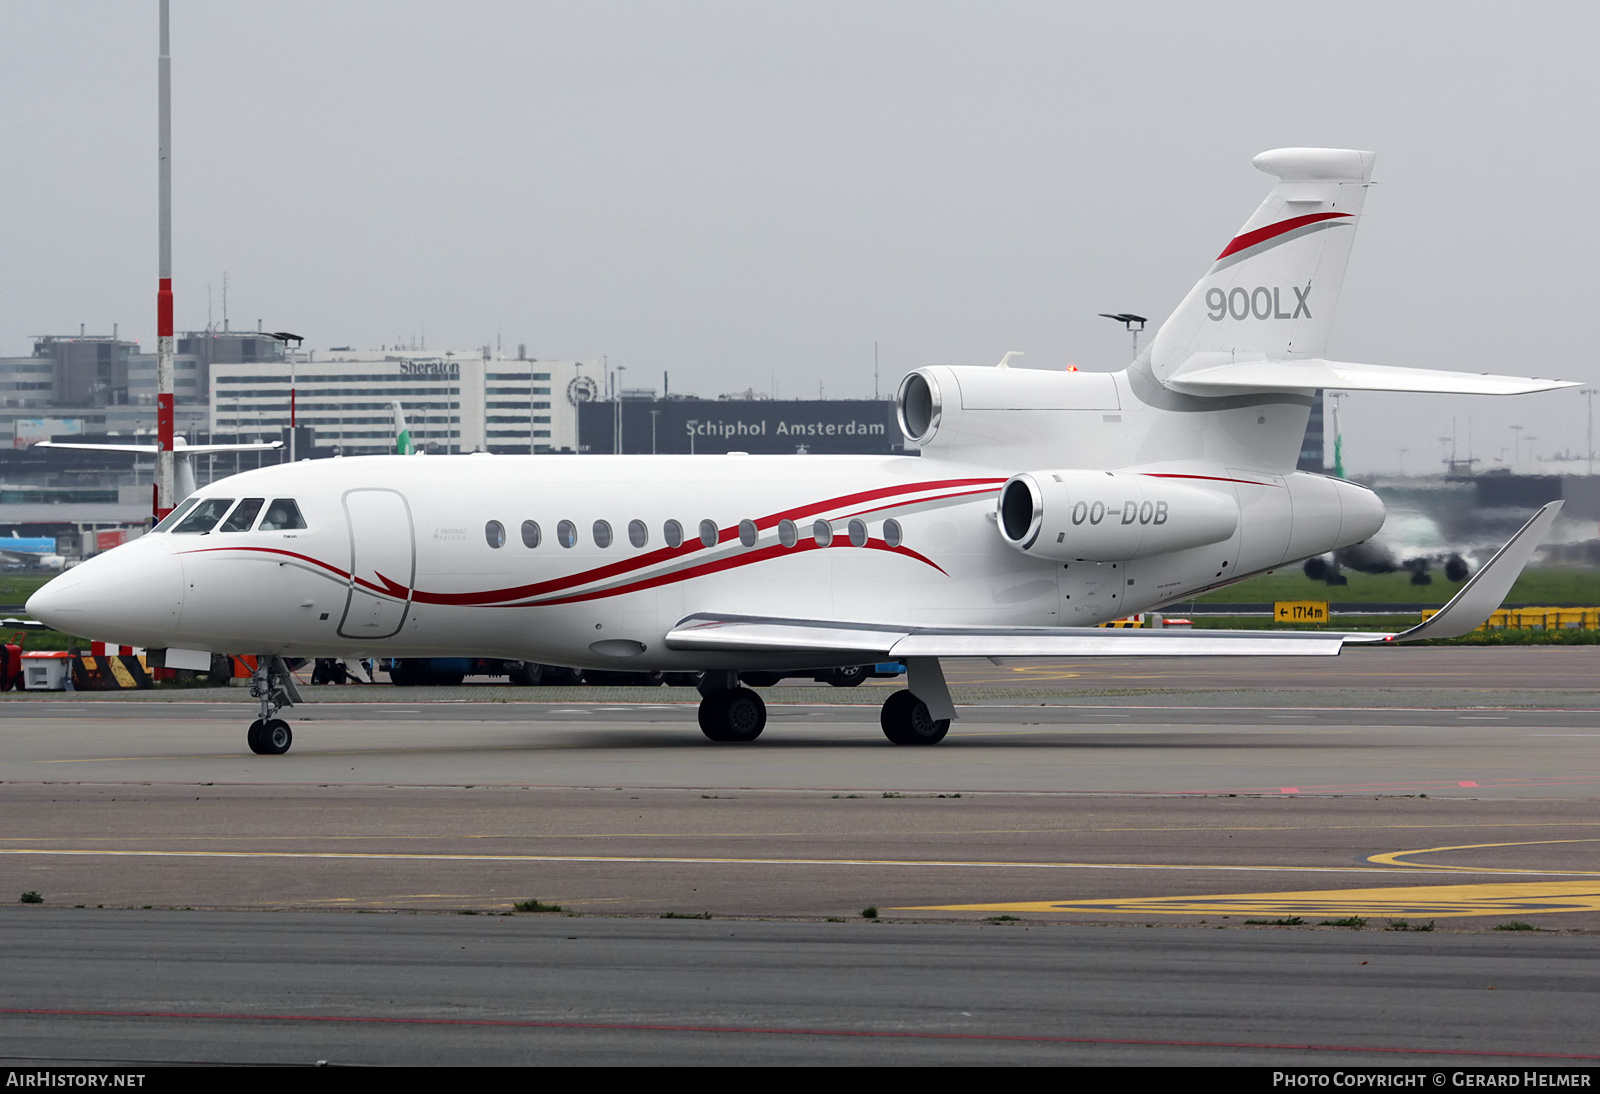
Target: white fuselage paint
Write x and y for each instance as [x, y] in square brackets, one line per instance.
[396, 558]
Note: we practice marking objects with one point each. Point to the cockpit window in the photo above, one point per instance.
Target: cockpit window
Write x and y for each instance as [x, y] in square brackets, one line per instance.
[282, 515]
[203, 517]
[243, 515]
[176, 515]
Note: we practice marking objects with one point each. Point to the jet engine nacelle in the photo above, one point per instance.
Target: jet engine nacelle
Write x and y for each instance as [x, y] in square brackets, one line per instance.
[1110, 516]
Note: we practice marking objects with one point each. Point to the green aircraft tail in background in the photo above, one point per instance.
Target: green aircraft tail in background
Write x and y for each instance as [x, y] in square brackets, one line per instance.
[402, 434]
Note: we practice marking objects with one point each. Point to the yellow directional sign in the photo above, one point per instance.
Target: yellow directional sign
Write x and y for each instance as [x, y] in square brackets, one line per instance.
[1300, 611]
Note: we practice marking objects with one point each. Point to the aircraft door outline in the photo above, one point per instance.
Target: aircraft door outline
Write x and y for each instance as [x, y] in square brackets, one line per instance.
[371, 515]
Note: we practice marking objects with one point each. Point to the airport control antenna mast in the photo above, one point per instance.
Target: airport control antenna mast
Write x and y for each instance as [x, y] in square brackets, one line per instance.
[165, 485]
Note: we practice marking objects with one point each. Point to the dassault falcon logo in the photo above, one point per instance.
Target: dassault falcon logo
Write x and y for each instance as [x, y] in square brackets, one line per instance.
[1258, 303]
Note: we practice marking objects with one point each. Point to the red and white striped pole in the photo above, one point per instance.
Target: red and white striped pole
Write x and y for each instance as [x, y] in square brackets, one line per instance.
[165, 484]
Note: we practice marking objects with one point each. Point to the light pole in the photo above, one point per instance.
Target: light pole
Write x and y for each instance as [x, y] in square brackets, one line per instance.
[285, 337]
[616, 393]
[1336, 397]
[1516, 446]
[1589, 393]
[1133, 323]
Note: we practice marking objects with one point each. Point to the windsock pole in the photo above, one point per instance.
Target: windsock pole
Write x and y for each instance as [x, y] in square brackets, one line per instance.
[164, 500]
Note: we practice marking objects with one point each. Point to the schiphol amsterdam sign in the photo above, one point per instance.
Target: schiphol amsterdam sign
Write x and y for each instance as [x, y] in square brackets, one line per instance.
[745, 428]
[706, 426]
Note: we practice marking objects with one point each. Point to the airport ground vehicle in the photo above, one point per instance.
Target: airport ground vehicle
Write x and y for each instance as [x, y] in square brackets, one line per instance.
[1042, 503]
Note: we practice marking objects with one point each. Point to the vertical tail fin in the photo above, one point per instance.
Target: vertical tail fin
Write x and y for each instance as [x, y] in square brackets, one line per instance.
[402, 435]
[1272, 292]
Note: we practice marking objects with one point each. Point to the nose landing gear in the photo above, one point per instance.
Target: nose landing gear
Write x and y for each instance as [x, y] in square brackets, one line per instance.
[273, 687]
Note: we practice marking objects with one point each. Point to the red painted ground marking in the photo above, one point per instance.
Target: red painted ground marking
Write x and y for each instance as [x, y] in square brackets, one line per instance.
[1466, 784]
[1288, 790]
[786, 1031]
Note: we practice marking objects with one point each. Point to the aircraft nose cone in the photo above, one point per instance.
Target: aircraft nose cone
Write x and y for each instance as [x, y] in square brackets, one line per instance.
[131, 595]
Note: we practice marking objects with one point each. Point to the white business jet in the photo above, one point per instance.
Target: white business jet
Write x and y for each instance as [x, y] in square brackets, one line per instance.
[1043, 503]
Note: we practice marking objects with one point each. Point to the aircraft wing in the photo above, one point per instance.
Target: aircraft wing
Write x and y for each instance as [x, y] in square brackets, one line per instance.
[217, 449]
[142, 449]
[1218, 374]
[152, 449]
[838, 642]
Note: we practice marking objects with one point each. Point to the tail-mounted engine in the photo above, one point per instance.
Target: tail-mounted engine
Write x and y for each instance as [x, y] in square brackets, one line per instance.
[1108, 516]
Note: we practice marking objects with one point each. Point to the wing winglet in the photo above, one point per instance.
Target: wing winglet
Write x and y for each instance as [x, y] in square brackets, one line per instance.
[1483, 594]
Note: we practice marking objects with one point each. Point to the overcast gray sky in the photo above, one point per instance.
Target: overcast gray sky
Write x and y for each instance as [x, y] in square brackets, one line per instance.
[749, 194]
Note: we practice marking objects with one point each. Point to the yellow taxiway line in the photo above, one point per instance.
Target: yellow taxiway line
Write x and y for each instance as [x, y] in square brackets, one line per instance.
[1434, 901]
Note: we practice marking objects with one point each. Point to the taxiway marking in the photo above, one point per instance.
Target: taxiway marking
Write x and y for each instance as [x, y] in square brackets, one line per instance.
[1434, 901]
[1399, 858]
[945, 864]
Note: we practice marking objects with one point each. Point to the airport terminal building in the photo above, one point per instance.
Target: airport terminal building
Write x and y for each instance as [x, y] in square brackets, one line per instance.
[453, 402]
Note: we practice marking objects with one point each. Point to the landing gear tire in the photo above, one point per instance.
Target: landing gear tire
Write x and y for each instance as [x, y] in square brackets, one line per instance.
[274, 737]
[846, 676]
[271, 737]
[734, 715]
[526, 674]
[906, 720]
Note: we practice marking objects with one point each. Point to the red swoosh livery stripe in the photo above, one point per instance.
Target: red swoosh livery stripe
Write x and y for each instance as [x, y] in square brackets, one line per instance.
[529, 595]
[1205, 478]
[1261, 235]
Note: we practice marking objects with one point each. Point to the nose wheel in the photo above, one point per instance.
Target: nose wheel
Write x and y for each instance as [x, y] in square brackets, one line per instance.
[271, 737]
[272, 687]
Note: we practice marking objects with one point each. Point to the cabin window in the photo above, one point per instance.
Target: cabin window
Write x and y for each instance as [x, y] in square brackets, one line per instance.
[567, 534]
[205, 517]
[708, 533]
[822, 532]
[858, 533]
[672, 532]
[788, 534]
[176, 515]
[282, 515]
[892, 535]
[638, 534]
[747, 533]
[602, 534]
[243, 515]
[495, 533]
[530, 534]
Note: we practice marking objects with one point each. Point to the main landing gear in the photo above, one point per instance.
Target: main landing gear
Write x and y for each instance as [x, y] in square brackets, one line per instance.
[920, 715]
[273, 687]
[729, 713]
[906, 720]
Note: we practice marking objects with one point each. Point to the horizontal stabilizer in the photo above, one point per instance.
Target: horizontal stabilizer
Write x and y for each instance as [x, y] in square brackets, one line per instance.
[1219, 374]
